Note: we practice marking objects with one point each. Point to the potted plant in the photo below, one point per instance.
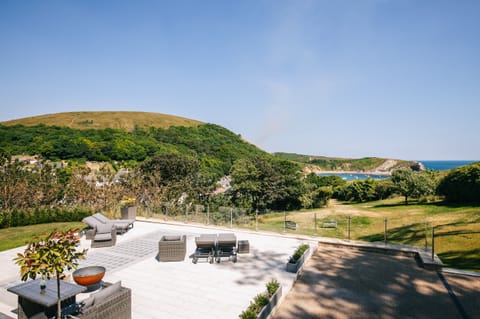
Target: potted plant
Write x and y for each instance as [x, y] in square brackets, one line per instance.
[128, 208]
[50, 256]
[296, 260]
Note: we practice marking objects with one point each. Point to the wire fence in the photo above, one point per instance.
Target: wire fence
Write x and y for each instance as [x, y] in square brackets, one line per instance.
[416, 232]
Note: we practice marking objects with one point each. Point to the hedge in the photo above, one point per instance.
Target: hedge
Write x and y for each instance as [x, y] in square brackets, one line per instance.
[14, 218]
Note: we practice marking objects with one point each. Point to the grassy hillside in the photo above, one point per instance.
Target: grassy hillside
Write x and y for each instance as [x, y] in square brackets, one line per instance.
[103, 120]
[347, 164]
[124, 136]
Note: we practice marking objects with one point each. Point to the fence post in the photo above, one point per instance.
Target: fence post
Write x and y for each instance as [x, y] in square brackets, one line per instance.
[284, 221]
[348, 227]
[385, 231]
[433, 242]
[208, 214]
[315, 221]
[231, 217]
[256, 220]
[426, 236]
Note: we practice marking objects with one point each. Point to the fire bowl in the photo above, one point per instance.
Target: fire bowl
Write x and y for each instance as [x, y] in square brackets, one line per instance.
[89, 276]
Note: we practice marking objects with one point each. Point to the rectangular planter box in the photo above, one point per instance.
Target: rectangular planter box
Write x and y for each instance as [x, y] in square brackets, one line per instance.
[295, 267]
[129, 212]
[267, 310]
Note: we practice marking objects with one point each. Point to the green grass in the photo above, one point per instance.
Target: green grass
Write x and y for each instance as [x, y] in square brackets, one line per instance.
[457, 228]
[17, 236]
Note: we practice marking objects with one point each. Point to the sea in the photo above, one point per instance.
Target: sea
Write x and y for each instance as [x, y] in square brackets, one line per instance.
[431, 165]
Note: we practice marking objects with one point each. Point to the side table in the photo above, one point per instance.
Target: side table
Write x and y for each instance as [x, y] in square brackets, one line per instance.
[243, 247]
[31, 300]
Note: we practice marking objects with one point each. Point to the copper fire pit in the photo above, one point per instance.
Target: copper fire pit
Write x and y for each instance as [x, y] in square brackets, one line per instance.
[89, 276]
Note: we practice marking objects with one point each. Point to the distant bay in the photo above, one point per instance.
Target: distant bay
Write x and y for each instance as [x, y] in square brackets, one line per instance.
[430, 165]
[444, 165]
[355, 176]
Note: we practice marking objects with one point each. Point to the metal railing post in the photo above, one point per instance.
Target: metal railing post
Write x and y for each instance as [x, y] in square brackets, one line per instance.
[385, 231]
[348, 227]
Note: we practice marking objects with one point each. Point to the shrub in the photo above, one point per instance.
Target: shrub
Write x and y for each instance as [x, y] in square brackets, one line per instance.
[260, 301]
[298, 253]
[272, 287]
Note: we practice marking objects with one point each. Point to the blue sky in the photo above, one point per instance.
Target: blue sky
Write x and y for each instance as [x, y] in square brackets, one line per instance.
[346, 78]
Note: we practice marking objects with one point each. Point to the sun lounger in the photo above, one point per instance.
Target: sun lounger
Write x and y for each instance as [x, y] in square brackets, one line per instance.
[206, 245]
[226, 247]
[122, 225]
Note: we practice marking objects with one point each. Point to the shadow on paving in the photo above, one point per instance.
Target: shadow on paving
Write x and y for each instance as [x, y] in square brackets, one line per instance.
[348, 283]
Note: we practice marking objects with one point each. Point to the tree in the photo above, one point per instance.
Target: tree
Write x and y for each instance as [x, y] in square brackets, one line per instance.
[413, 184]
[262, 183]
[50, 256]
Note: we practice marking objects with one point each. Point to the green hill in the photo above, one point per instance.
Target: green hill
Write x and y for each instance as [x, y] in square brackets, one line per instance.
[102, 120]
[124, 136]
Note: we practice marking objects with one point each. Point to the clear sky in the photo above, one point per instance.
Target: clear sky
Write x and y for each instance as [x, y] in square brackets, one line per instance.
[346, 78]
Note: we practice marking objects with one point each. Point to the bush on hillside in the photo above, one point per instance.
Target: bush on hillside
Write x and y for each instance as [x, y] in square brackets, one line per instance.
[461, 185]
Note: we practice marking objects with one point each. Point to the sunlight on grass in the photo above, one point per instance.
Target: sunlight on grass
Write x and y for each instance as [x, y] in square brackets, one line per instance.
[17, 236]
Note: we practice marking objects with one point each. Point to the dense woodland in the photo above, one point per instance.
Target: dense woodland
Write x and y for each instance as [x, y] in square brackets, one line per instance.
[179, 167]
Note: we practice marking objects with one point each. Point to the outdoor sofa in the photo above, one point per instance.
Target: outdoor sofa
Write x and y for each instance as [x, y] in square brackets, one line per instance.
[172, 248]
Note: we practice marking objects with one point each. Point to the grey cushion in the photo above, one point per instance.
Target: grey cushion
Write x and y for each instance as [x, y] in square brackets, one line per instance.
[90, 221]
[103, 294]
[102, 237]
[104, 228]
[88, 302]
[101, 218]
[172, 238]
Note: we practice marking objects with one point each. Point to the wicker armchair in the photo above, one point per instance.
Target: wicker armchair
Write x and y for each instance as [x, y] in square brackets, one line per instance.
[112, 302]
[172, 248]
[102, 236]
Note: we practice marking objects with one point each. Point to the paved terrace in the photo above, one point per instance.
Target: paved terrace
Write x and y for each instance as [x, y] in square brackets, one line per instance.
[342, 279]
[178, 289]
[349, 282]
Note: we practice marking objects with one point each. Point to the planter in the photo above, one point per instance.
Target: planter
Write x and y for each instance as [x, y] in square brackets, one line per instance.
[267, 310]
[294, 267]
[129, 212]
[89, 276]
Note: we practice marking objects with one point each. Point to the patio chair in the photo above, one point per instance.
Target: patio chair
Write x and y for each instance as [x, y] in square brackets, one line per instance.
[104, 235]
[172, 248]
[112, 302]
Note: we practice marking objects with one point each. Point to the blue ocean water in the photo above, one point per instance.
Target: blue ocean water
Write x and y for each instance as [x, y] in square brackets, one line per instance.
[431, 165]
[355, 176]
[443, 165]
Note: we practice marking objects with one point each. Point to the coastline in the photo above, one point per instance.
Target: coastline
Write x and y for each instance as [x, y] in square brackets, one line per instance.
[354, 172]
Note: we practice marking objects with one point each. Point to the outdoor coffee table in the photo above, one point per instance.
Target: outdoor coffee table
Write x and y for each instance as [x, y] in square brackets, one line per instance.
[31, 300]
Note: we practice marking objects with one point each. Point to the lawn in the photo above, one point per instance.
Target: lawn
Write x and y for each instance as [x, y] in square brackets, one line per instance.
[456, 228]
[18, 236]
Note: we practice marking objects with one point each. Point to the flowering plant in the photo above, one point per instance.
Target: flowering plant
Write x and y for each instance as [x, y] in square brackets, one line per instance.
[127, 201]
